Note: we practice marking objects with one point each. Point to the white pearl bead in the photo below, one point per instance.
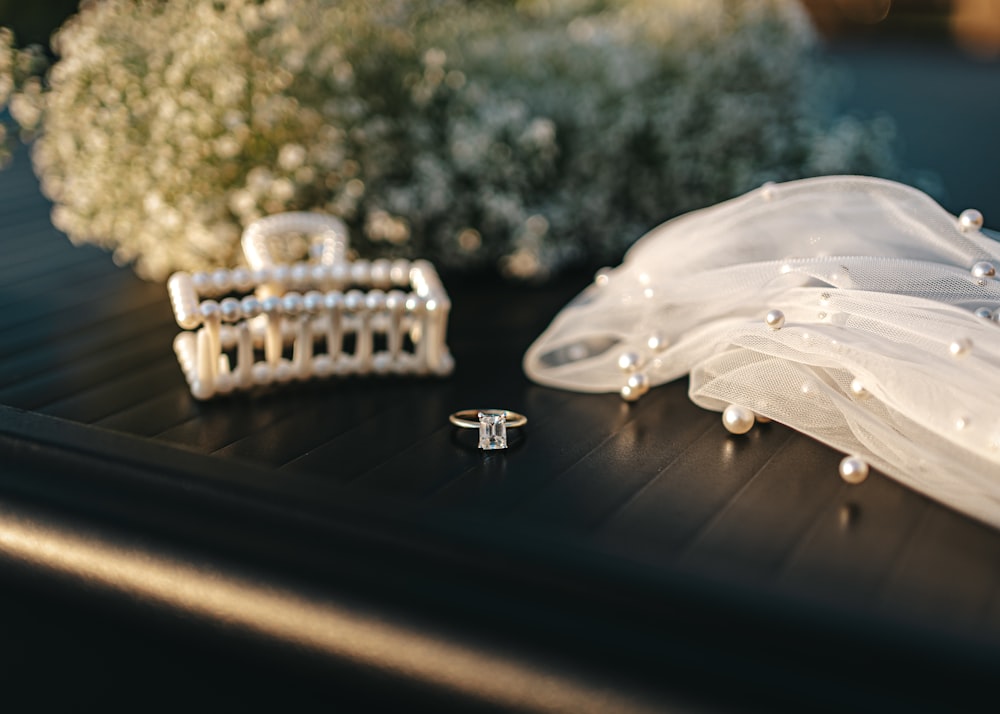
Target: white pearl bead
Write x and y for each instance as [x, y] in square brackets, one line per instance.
[960, 347]
[767, 190]
[858, 389]
[333, 300]
[395, 300]
[737, 419]
[354, 300]
[322, 365]
[340, 272]
[399, 273]
[342, 366]
[775, 319]
[231, 309]
[602, 276]
[251, 306]
[281, 274]
[970, 220]
[984, 313]
[853, 469]
[224, 383]
[291, 303]
[629, 394]
[628, 361]
[761, 419]
[270, 305]
[984, 269]
[638, 382]
[414, 305]
[300, 274]
[361, 272]
[657, 342]
[381, 273]
[319, 275]
[201, 390]
[242, 279]
[261, 373]
[209, 309]
[381, 363]
[312, 302]
[375, 299]
[221, 282]
[284, 371]
[201, 282]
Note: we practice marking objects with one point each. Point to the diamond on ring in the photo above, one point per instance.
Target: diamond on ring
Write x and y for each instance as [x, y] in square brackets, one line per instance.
[492, 424]
[492, 430]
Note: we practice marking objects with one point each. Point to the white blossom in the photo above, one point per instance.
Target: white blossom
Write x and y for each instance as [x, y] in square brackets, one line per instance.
[522, 135]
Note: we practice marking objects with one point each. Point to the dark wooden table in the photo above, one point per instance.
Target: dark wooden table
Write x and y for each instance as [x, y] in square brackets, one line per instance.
[338, 543]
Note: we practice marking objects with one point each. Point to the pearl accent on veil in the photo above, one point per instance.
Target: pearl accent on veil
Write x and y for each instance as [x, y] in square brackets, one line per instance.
[853, 309]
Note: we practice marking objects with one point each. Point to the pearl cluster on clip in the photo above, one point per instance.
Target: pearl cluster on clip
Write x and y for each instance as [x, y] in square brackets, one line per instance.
[308, 319]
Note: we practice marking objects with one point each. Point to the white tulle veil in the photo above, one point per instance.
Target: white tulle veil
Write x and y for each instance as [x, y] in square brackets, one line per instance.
[889, 347]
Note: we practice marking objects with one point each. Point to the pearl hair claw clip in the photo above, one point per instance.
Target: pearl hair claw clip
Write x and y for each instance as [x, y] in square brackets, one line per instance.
[283, 318]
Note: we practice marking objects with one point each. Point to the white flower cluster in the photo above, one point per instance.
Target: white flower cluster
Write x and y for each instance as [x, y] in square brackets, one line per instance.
[18, 70]
[7, 58]
[526, 135]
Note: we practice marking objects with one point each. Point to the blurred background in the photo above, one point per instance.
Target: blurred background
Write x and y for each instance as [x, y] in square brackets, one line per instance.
[933, 66]
[972, 25]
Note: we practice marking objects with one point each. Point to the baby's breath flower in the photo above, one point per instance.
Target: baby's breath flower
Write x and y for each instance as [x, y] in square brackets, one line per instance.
[521, 135]
[20, 87]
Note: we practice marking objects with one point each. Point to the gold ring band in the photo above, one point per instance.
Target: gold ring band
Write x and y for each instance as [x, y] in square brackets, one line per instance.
[470, 418]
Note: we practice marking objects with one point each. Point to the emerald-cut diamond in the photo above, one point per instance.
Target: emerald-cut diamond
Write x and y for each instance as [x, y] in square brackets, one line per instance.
[492, 430]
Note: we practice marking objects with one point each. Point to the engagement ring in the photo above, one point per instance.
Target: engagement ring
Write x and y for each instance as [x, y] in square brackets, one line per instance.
[492, 425]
